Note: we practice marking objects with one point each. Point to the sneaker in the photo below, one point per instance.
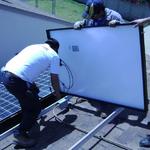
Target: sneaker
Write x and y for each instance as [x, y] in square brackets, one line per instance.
[24, 140]
[145, 142]
[103, 115]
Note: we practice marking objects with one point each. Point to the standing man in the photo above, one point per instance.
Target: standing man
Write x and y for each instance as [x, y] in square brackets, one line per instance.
[18, 76]
[97, 15]
[145, 142]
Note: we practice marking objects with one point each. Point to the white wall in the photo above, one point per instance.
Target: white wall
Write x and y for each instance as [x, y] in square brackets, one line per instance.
[19, 28]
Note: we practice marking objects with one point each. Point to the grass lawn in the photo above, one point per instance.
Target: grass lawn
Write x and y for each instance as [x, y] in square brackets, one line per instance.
[68, 10]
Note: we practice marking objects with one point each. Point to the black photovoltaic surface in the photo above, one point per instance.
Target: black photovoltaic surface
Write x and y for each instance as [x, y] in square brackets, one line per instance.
[9, 104]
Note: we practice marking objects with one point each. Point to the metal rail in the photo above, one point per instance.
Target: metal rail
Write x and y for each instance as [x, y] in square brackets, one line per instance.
[44, 111]
[77, 145]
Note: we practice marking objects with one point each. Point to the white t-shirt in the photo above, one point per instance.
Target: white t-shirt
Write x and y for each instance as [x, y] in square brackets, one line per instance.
[32, 61]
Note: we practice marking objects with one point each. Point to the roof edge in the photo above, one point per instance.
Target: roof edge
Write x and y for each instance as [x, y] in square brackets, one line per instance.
[34, 11]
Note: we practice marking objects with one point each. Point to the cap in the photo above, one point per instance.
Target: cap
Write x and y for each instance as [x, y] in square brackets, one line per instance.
[93, 7]
[53, 43]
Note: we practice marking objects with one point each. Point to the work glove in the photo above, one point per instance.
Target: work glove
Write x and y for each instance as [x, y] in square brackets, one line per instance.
[113, 23]
[78, 24]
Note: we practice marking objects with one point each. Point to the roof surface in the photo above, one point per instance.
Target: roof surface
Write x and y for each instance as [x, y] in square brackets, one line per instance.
[123, 132]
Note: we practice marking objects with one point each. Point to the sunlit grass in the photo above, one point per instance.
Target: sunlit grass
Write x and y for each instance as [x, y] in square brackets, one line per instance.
[68, 10]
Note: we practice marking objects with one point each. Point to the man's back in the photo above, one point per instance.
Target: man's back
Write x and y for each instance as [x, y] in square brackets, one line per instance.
[31, 61]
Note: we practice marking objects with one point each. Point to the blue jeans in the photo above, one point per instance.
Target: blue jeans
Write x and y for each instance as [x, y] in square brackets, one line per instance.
[27, 95]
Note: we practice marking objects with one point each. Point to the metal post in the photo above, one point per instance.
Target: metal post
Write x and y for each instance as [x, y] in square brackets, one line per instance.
[36, 3]
[53, 7]
[77, 145]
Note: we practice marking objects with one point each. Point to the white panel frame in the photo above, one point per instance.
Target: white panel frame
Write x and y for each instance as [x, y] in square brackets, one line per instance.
[118, 52]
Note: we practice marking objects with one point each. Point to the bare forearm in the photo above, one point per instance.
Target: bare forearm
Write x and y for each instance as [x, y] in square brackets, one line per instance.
[147, 20]
[144, 21]
[56, 86]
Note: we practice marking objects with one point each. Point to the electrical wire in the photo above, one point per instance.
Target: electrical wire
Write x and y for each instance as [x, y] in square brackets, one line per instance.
[55, 115]
[70, 75]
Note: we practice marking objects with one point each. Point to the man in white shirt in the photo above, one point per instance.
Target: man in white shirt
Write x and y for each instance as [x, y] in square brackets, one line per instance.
[18, 77]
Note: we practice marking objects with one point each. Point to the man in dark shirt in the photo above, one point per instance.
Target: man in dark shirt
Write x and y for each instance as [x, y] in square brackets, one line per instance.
[97, 15]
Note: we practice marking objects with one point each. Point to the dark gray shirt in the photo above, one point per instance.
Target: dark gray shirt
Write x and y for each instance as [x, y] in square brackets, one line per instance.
[109, 16]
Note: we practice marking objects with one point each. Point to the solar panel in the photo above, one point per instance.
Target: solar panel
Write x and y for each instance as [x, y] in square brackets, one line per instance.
[9, 104]
[113, 73]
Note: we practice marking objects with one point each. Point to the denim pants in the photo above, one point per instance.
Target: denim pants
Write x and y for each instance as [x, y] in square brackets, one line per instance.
[27, 95]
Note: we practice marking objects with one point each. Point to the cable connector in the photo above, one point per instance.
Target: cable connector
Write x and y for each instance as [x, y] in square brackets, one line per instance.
[63, 103]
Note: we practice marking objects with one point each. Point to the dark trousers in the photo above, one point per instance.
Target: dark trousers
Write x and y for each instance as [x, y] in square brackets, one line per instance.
[27, 95]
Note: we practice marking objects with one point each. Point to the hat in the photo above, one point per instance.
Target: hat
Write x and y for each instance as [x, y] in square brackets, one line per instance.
[93, 7]
[53, 43]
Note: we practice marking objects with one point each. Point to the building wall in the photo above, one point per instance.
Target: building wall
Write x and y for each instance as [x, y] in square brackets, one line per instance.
[128, 10]
[19, 28]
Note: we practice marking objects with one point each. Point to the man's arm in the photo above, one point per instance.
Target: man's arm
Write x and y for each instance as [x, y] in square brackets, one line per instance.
[114, 18]
[143, 21]
[56, 86]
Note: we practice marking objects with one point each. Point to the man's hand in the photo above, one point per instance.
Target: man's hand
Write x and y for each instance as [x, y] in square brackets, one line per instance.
[113, 23]
[57, 95]
[78, 24]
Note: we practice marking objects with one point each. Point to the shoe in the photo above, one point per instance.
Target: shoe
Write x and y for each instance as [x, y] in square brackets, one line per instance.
[24, 140]
[145, 142]
[103, 115]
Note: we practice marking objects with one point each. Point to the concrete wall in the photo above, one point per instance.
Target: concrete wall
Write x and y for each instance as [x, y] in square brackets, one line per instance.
[19, 28]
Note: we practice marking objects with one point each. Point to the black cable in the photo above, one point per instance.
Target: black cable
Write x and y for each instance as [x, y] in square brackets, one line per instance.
[64, 86]
[70, 75]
